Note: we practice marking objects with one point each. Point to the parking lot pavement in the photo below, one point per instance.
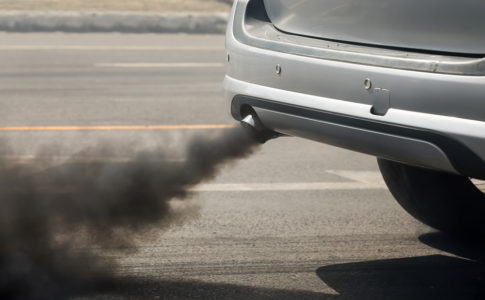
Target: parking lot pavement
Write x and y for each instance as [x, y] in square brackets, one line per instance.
[296, 220]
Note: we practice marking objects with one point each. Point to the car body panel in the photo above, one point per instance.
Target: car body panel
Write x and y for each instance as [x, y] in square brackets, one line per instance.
[431, 103]
[434, 25]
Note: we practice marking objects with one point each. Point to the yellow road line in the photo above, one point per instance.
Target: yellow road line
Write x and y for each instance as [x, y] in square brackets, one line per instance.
[118, 128]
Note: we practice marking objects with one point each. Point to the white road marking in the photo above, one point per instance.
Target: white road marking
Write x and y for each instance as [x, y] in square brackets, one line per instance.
[369, 177]
[478, 181]
[278, 281]
[160, 65]
[480, 184]
[285, 186]
[360, 180]
[106, 48]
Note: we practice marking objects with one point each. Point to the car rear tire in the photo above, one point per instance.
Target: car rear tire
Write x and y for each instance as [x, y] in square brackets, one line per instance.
[450, 203]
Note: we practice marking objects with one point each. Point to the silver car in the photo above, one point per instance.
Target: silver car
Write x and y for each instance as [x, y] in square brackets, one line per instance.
[401, 80]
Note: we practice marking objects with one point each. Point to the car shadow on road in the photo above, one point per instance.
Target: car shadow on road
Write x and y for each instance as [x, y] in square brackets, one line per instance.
[140, 288]
[425, 277]
[472, 250]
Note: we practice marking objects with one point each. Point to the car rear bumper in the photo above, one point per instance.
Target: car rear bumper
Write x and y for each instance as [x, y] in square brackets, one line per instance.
[407, 111]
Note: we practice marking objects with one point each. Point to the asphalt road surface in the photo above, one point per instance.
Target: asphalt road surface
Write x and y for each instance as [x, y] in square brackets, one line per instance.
[297, 220]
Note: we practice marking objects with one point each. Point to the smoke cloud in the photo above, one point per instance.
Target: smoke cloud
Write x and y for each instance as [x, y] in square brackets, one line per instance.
[57, 221]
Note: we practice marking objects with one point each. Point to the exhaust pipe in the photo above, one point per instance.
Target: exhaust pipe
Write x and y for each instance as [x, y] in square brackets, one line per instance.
[256, 129]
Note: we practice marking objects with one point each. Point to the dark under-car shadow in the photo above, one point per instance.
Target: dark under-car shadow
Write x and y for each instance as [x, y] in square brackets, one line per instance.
[140, 288]
[473, 250]
[425, 277]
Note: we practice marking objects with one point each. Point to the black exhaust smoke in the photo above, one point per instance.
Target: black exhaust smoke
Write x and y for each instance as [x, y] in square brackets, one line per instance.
[56, 222]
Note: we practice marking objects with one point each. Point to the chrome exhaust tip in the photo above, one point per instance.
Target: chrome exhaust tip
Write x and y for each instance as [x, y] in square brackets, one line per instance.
[251, 122]
[256, 129]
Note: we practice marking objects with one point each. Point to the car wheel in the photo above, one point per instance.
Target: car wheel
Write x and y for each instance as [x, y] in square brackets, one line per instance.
[450, 203]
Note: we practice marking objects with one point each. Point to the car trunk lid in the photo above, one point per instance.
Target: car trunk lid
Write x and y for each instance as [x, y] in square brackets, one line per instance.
[431, 25]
